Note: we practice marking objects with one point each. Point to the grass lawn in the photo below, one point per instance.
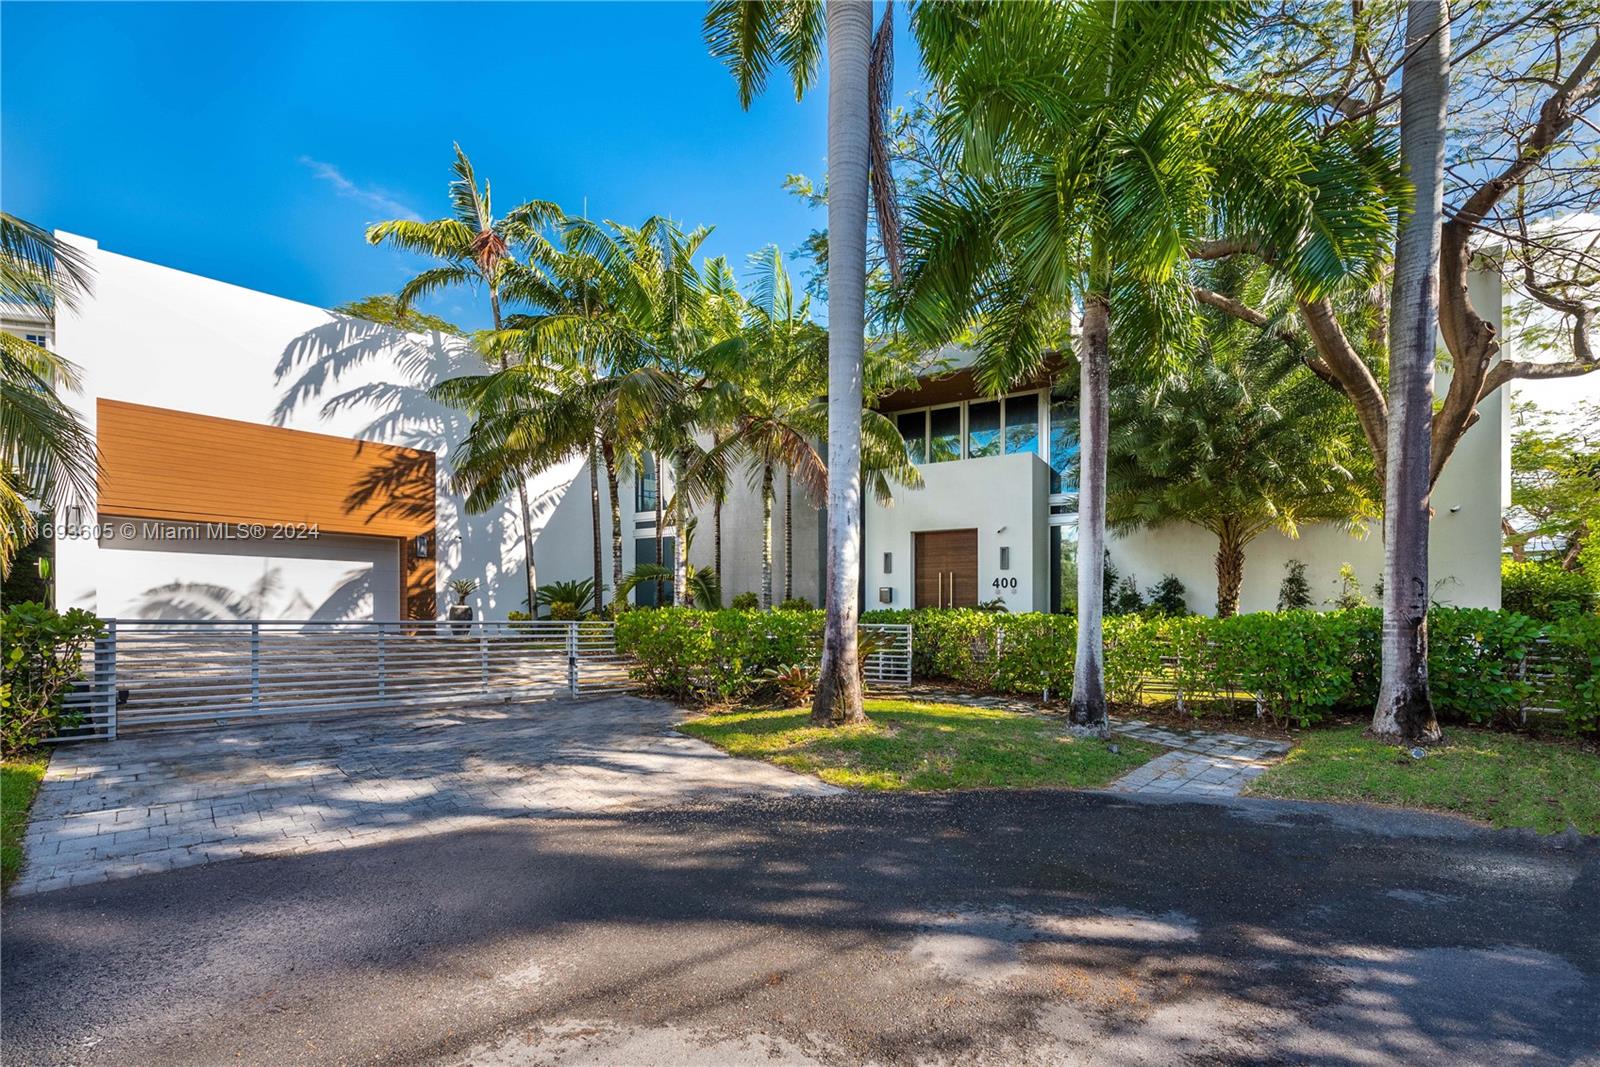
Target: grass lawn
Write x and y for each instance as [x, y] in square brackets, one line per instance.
[921, 746]
[19, 781]
[1502, 779]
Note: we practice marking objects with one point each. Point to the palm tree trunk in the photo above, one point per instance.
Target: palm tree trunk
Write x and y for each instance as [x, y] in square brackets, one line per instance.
[608, 454]
[1088, 707]
[661, 588]
[838, 696]
[716, 520]
[522, 484]
[1405, 706]
[680, 542]
[1230, 570]
[594, 518]
[788, 535]
[766, 537]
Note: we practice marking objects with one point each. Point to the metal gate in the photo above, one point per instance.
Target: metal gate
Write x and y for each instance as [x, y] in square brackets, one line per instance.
[163, 672]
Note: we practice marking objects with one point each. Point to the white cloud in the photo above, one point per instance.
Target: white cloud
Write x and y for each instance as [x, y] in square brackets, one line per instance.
[369, 195]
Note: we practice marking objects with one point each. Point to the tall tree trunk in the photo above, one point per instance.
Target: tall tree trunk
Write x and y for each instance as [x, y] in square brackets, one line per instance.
[1405, 709]
[608, 455]
[661, 486]
[680, 540]
[788, 535]
[594, 516]
[838, 696]
[1230, 570]
[522, 482]
[766, 537]
[716, 520]
[1088, 706]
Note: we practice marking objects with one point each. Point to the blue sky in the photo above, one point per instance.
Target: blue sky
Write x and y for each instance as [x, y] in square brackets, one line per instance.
[254, 142]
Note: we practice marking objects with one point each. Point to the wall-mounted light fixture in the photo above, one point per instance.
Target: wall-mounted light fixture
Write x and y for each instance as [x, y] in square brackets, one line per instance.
[888, 563]
[422, 545]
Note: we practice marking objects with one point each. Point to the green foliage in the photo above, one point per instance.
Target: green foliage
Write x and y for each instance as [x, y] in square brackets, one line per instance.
[1301, 664]
[463, 588]
[1169, 597]
[797, 603]
[1294, 594]
[43, 658]
[1349, 597]
[573, 594]
[1545, 591]
[19, 782]
[1555, 482]
[717, 656]
[746, 602]
[518, 616]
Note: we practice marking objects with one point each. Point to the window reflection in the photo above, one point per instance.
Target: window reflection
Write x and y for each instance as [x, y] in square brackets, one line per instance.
[983, 429]
[913, 426]
[944, 434]
[1022, 423]
[1063, 445]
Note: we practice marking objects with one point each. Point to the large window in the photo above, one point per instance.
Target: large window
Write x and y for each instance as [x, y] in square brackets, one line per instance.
[1022, 423]
[944, 434]
[983, 429]
[1063, 445]
[913, 426]
[646, 491]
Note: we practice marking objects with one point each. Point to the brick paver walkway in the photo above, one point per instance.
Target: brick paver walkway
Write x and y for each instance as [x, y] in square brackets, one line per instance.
[1203, 763]
[156, 802]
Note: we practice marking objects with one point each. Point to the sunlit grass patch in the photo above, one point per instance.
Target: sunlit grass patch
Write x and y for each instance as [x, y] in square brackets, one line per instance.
[19, 781]
[918, 746]
[1502, 779]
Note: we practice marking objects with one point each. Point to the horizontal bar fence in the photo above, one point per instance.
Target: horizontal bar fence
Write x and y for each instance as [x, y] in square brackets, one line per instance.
[166, 672]
[159, 672]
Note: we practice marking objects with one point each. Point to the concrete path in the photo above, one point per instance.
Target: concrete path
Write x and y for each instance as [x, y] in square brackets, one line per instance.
[153, 803]
[1202, 763]
[1014, 928]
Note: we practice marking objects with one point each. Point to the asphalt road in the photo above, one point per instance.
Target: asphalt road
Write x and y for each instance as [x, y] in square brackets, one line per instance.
[1005, 928]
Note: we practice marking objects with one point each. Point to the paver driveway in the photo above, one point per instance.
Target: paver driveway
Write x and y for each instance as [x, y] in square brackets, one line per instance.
[146, 804]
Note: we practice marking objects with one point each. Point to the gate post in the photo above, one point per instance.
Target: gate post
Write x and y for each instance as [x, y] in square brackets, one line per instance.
[483, 658]
[382, 677]
[255, 666]
[572, 658]
[105, 676]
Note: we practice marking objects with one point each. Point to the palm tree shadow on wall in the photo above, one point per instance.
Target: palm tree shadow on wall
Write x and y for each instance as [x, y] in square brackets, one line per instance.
[213, 602]
[355, 365]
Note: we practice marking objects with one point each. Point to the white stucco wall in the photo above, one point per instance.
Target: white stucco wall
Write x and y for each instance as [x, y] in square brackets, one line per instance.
[153, 335]
[1003, 497]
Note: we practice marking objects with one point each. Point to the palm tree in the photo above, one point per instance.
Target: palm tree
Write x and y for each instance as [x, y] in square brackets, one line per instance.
[1242, 440]
[474, 248]
[1092, 159]
[47, 454]
[1405, 708]
[751, 38]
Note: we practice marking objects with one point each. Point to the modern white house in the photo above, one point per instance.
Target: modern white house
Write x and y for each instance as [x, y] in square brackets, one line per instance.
[263, 458]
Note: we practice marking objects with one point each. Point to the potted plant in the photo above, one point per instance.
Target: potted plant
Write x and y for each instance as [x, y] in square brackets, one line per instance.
[461, 611]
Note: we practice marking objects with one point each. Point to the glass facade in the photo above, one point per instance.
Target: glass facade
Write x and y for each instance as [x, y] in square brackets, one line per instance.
[944, 434]
[1063, 445]
[913, 426]
[1022, 423]
[983, 429]
[646, 492]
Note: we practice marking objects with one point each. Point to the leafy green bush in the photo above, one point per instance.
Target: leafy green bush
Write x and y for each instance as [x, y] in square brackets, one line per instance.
[717, 656]
[43, 658]
[745, 602]
[796, 603]
[1575, 649]
[1168, 597]
[1474, 662]
[1545, 591]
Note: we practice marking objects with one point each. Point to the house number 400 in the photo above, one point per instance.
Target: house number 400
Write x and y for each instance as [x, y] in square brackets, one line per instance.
[1002, 584]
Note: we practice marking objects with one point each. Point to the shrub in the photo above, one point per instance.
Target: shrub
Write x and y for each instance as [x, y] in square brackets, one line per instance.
[1294, 594]
[1474, 662]
[745, 602]
[43, 658]
[1545, 591]
[563, 610]
[1169, 597]
[1575, 648]
[797, 603]
[717, 656]
[1349, 595]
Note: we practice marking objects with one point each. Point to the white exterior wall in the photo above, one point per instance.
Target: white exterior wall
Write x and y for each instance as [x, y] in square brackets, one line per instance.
[1003, 497]
[153, 335]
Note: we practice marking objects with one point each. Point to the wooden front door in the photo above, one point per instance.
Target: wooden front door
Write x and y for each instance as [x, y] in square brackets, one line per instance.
[947, 568]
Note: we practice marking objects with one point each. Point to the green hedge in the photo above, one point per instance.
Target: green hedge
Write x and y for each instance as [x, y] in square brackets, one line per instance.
[1543, 590]
[1303, 664]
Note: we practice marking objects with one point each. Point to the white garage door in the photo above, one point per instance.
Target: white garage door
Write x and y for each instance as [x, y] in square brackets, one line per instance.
[195, 576]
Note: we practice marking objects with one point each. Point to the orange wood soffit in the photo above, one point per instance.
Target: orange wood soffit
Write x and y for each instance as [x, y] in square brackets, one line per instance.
[160, 463]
